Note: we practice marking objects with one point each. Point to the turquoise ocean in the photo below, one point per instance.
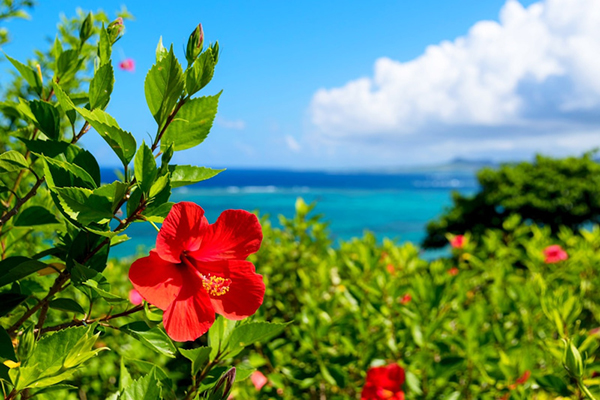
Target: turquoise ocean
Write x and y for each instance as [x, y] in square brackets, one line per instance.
[393, 205]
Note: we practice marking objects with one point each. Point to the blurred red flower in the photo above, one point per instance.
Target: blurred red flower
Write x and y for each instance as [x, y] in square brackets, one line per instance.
[406, 299]
[199, 269]
[127, 65]
[384, 383]
[135, 297]
[554, 254]
[521, 380]
[453, 271]
[458, 241]
[258, 379]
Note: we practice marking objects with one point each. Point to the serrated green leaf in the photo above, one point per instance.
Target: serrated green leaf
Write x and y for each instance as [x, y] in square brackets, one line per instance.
[35, 215]
[84, 205]
[14, 268]
[158, 213]
[192, 123]
[49, 148]
[201, 72]
[101, 87]
[47, 118]
[60, 386]
[84, 159]
[67, 65]
[104, 47]
[68, 305]
[7, 351]
[161, 51]
[158, 186]
[65, 102]
[246, 334]
[63, 174]
[218, 335]
[12, 161]
[145, 168]
[183, 175]
[29, 74]
[198, 357]
[163, 87]
[145, 388]
[153, 338]
[120, 141]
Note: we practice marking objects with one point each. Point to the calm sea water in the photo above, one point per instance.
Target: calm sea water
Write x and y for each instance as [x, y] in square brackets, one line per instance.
[396, 206]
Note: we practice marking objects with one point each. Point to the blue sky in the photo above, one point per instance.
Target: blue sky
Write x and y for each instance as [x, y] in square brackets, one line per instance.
[354, 84]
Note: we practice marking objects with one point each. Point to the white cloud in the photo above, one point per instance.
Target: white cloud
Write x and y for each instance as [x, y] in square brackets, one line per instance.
[292, 144]
[237, 124]
[535, 72]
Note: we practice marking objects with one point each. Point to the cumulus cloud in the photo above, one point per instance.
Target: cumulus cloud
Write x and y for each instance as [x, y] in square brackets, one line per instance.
[536, 71]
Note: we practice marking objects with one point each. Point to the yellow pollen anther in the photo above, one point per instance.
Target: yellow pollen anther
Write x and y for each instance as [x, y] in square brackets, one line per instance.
[216, 285]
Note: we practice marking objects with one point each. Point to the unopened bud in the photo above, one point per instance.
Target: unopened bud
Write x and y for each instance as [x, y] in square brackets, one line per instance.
[572, 360]
[215, 51]
[223, 386]
[27, 344]
[115, 30]
[195, 44]
[87, 28]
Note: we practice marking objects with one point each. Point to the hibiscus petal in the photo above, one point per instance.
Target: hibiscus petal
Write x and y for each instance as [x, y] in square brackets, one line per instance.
[181, 231]
[235, 235]
[156, 280]
[191, 314]
[246, 291]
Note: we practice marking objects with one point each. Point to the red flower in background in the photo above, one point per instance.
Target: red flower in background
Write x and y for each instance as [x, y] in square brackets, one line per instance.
[458, 241]
[135, 297]
[406, 299]
[554, 254]
[453, 271]
[199, 269]
[521, 380]
[127, 65]
[258, 379]
[384, 383]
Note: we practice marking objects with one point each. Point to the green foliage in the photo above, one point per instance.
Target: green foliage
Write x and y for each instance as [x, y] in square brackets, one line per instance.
[550, 192]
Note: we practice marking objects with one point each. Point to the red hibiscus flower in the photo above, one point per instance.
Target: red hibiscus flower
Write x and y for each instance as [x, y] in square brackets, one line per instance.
[384, 383]
[127, 65]
[406, 299]
[458, 241]
[554, 254]
[258, 379]
[199, 269]
[453, 271]
[521, 380]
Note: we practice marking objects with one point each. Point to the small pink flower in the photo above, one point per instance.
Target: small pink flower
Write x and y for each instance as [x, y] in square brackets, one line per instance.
[127, 65]
[595, 331]
[135, 297]
[453, 271]
[458, 241]
[258, 379]
[406, 299]
[554, 254]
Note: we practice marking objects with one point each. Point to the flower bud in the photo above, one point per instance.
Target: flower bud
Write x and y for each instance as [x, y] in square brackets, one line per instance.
[27, 344]
[215, 51]
[115, 30]
[223, 386]
[87, 28]
[572, 360]
[195, 44]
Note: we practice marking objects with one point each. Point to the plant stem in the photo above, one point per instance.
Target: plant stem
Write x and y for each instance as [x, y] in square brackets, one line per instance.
[86, 321]
[585, 390]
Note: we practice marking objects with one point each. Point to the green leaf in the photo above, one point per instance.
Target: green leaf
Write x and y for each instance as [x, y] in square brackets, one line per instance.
[84, 205]
[10, 301]
[11, 161]
[158, 213]
[116, 240]
[109, 297]
[153, 338]
[65, 102]
[56, 357]
[120, 141]
[163, 87]
[104, 47]
[49, 148]
[192, 123]
[63, 174]
[47, 117]
[7, 351]
[161, 51]
[79, 250]
[67, 65]
[159, 186]
[101, 87]
[201, 72]
[29, 74]
[247, 334]
[145, 168]
[218, 335]
[68, 305]
[14, 268]
[60, 386]
[124, 376]
[145, 388]
[84, 159]
[81, 274]
[35, 215]
[198, 357]
[182, 175]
